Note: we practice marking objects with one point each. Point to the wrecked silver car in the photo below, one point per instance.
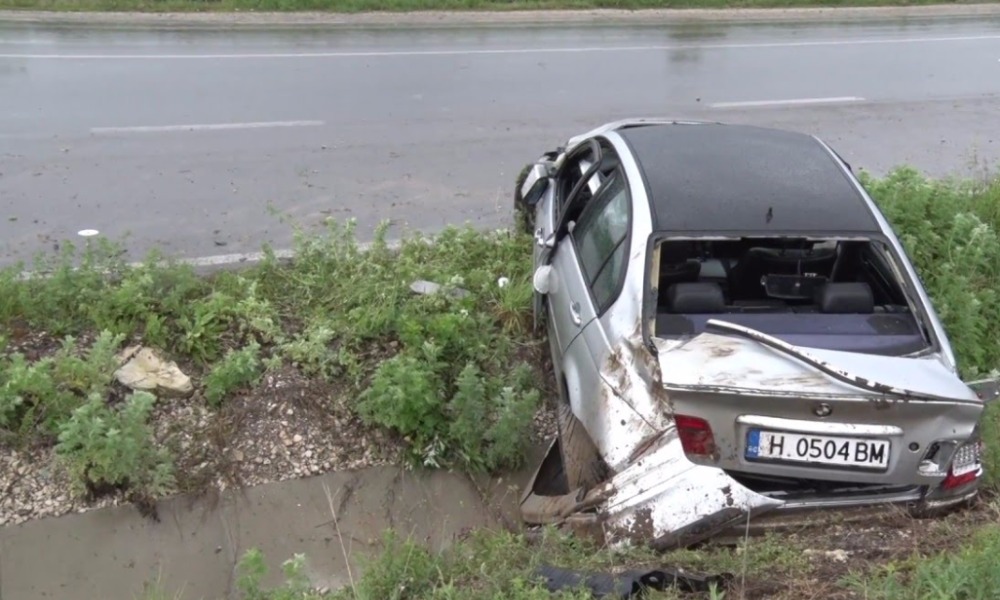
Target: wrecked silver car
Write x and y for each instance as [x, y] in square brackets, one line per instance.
[736, 333]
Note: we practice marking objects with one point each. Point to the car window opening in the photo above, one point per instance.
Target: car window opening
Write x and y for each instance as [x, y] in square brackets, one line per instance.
[839, 294]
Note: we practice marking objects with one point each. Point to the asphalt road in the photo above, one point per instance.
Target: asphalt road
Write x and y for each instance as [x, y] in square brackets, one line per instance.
[188, 139]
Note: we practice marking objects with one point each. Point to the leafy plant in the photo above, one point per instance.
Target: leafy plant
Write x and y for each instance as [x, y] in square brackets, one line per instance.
[238, 369]
[203, 327]
[107, 448]
[450, 371]
[311, 350]
[48, 390]
[253, 570]
[406, 395]
[22, 384]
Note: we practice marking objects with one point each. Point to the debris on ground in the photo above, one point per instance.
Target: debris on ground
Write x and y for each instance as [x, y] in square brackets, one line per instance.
[429, 288]
[143, 369]
[629, 584]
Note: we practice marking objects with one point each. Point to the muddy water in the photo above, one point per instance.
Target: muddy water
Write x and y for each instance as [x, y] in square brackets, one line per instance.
[192, 549]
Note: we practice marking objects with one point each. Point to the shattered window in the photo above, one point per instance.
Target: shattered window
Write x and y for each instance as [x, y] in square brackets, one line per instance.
[839, 294]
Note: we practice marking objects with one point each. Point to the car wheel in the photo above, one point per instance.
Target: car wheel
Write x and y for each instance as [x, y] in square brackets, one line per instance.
[582, 463]
[522, 214]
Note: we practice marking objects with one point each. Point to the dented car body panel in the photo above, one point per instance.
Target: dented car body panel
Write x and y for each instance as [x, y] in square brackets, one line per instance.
[746, 384]
[721, 354]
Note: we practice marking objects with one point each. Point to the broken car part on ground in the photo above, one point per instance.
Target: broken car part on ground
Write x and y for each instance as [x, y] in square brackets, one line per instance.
[737, 333]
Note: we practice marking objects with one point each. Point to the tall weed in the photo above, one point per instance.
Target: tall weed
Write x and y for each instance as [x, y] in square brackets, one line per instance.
[950, 230]
[107, 448]
[253, 570]
[46, 391]
[238, 369]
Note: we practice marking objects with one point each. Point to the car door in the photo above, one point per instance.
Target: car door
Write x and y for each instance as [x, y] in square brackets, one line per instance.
[566, 300]
[600, 242]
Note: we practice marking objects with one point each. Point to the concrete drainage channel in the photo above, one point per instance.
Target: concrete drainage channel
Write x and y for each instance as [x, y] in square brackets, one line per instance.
[193, 548]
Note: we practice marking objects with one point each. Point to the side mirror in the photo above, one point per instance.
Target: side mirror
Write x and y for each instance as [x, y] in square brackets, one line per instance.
[534, 185]
[545, 280]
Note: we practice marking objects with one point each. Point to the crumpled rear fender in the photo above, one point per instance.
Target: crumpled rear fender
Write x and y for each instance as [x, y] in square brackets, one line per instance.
[666, 501]
[661, 500]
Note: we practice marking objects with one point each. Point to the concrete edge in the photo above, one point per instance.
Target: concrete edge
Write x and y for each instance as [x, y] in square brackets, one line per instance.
[985, 8]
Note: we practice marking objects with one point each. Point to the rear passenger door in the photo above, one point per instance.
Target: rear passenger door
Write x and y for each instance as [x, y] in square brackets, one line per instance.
[568, 313]
[601, 241]
[601, 238]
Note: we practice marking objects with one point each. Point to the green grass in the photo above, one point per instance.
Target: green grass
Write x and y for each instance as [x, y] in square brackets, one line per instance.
[492, 564]
[353, 6]
[503, 565]
[454, 373]
[967, 573]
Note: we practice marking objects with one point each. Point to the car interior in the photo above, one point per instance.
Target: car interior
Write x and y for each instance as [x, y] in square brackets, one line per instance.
[843, 289]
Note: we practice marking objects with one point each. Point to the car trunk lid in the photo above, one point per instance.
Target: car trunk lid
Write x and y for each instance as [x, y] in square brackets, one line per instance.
[750, 407]
[728, 362]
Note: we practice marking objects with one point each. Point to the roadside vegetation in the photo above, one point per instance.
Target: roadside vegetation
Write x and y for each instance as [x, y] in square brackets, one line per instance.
[503, 565]
[355, 6]
[456, 375]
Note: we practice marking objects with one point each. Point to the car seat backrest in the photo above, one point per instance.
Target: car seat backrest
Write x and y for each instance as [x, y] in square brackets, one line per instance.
[846, 297]
[699, 298]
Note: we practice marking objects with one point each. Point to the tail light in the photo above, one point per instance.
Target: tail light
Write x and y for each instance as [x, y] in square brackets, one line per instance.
[696, 435]
[965, 466]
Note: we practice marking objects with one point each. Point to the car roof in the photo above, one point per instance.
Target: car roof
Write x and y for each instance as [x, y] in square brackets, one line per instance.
[726, 178]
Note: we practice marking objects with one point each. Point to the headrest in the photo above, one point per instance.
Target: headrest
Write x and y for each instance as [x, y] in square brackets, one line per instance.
[675, 252]
[700, 297]
[846, 297]
[691, 268]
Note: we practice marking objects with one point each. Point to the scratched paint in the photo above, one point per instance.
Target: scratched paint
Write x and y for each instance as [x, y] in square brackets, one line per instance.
[631, 403]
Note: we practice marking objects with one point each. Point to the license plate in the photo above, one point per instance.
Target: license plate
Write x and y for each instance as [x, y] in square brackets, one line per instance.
[817, 449]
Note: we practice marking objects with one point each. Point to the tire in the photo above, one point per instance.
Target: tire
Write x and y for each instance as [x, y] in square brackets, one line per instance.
[582, 462]
[523, 217]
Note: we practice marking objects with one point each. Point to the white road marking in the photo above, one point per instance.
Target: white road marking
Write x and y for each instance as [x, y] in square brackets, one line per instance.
[502, 51]
[789, 102]
[203, 127]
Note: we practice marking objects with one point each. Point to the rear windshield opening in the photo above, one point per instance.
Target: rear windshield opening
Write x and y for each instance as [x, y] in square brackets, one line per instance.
[827, 293]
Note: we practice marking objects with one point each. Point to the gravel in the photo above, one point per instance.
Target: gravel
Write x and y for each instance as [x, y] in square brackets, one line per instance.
[289, 426]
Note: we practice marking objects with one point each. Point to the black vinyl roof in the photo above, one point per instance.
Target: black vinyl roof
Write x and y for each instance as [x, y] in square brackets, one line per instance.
[737, 178]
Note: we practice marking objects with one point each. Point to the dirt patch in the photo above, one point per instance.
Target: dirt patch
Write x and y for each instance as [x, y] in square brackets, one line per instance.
[834, 551]
[291, 426]
[33, 344]
[288, 426]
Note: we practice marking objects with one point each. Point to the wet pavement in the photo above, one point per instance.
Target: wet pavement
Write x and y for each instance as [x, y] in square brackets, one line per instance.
[186, 139]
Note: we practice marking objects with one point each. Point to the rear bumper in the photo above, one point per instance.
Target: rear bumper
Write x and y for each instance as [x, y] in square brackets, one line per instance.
[664, 501]
[797, 516]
